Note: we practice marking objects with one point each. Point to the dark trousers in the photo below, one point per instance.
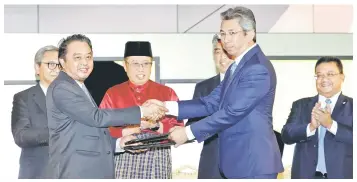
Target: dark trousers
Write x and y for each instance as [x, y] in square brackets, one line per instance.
[263, 176]
[319, 175]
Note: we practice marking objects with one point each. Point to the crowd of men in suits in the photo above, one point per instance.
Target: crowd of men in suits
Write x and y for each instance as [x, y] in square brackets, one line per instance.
[64, 134]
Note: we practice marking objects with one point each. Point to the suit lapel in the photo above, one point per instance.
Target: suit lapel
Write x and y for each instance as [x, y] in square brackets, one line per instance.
[244, 60]
[339, 106]
[65, 76]
[39, 97]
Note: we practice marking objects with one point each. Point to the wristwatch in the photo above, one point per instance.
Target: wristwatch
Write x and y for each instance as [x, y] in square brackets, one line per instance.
[157, 127]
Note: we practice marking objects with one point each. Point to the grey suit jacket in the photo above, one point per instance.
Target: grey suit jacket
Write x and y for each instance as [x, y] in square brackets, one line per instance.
[30, 131]
[80, 145]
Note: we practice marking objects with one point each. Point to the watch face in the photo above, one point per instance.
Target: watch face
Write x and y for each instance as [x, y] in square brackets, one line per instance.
[155, 128]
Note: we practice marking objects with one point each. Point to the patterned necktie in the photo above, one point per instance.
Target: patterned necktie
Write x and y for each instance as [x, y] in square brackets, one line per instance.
[321, 155]
[233, 68]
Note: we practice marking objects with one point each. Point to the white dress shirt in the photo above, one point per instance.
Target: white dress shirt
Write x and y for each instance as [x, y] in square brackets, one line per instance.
[172, 106]
[221, 76]
[44, 89]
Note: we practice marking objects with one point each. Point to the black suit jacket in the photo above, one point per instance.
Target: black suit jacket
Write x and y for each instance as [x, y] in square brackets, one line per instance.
[338, 148]
[208, 166]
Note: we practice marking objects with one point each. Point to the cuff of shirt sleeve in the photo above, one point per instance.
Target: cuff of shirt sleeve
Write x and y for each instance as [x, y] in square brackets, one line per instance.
[308, 132]
[333, 128]
[118, 149]
[141, 112]
[172, 106]
[189, 133]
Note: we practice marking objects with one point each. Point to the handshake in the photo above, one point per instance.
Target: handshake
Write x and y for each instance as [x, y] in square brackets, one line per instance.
[153, 110]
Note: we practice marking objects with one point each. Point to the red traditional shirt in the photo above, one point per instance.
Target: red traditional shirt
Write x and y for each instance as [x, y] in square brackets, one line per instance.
[127, 95]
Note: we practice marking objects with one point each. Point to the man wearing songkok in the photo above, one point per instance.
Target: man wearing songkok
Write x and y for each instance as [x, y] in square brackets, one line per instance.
[154, 163]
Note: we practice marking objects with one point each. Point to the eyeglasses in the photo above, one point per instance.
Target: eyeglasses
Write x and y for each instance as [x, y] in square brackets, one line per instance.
[138, 65]
[53, 66]
[329, 76]
[222, 35]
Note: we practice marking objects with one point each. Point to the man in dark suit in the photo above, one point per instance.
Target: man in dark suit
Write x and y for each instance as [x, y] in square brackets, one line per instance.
[79, 142]
[240, 108]
[322, 127]
[28, 117]
[208, 166]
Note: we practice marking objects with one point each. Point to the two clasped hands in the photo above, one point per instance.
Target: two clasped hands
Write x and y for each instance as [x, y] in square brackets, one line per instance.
[154, 110]
[320, 116]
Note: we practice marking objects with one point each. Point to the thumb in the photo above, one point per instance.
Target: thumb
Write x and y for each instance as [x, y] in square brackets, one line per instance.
[328, 108]
[172, 129]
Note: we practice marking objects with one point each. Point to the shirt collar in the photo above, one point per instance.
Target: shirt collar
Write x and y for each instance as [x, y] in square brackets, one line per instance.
[333, 98]
[138, 88]
[79, 83]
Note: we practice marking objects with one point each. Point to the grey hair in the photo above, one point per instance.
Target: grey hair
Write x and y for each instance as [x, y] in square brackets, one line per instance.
[245, 18]
[41, 52]
[215, 40]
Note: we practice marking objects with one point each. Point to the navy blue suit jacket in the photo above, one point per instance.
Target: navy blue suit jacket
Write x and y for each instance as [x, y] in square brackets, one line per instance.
[240, 111]
[338, 148]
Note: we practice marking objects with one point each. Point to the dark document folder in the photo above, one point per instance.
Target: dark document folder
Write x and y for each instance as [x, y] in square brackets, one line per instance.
[151, 142]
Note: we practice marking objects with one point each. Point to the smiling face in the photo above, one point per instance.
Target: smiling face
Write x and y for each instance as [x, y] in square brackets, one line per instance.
[138, 69]
[78, 62]
[221, 58]
[329, 79]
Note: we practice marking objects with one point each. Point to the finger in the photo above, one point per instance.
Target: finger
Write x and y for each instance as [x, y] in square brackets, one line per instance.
[315, 113]
[315, 109]
[157, 102]
[170, 137]
[316, 105]
[172, 129]
[163, 109]
[318, 112]
[328, 108]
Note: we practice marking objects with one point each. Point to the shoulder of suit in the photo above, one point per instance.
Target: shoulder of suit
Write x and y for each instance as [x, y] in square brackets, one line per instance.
[206, 82]
[303, 100]
[25, 92]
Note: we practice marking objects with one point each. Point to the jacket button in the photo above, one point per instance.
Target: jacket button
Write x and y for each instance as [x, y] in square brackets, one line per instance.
[108, 152]
[315, 146]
